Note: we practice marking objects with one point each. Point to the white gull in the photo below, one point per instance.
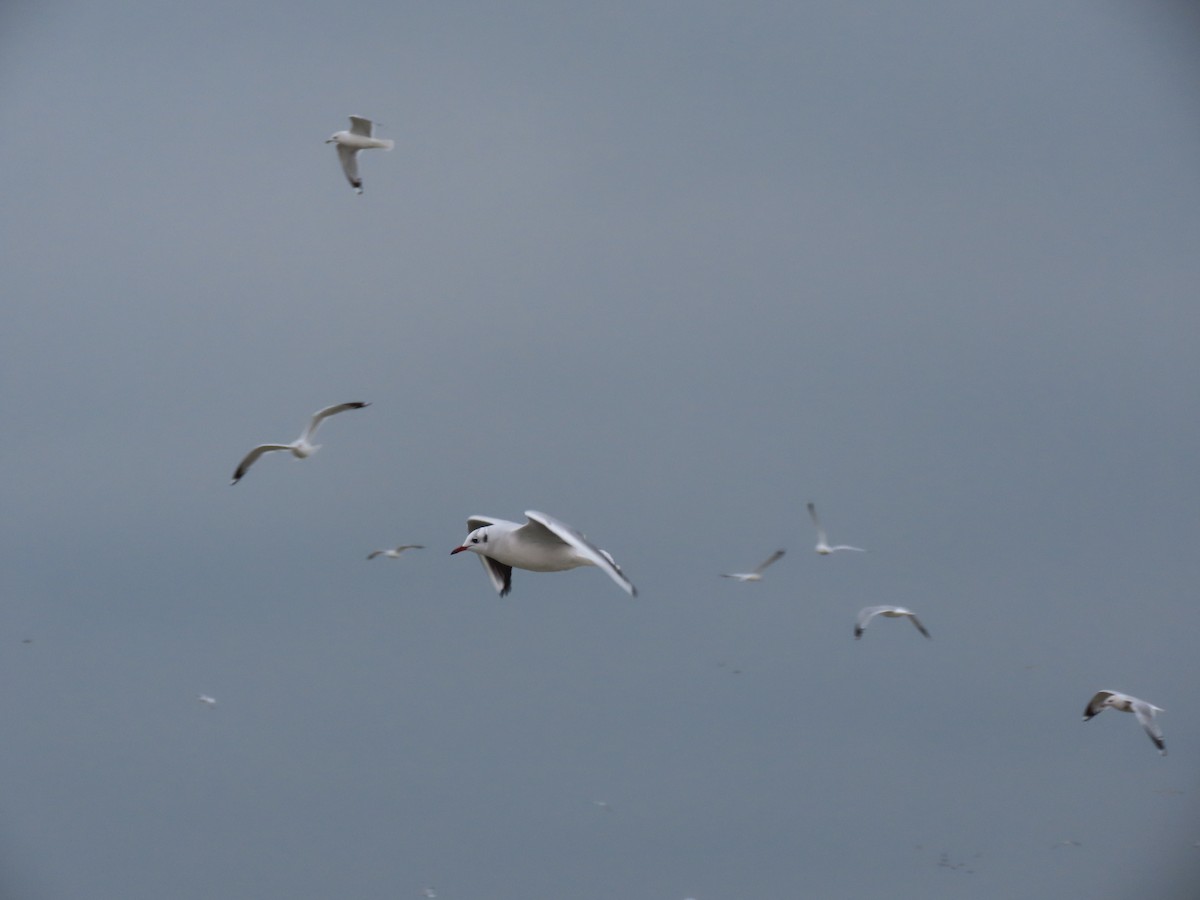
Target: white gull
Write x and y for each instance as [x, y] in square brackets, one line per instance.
[822, 543]
[1102, 700]
[891, 612]
[395, 552]
[350, 142]
[755, 575]
[302, 447]
[543, 544]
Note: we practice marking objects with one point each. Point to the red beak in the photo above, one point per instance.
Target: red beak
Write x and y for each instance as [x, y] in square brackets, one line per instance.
[457, 550]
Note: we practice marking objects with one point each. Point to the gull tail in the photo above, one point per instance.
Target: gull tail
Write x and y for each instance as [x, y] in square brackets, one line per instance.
[387, 145]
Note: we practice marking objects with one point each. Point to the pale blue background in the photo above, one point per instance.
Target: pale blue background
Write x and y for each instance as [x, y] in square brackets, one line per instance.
[663, 270]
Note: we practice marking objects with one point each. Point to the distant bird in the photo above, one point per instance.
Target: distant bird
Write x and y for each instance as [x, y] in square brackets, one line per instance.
[429, 893]
[302, 447]
[891, 612]
[822, 544]
[350, 142]
[756, 575]
[543, 544]
[395, 552]
[603, 804]
[1144, 711]
[206, 700]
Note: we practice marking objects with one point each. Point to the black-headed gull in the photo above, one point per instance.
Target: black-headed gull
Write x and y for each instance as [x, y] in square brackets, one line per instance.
[1144, 711]
[756, 575]
[543, 544]
[822, 544]
[302, 447]
[891, 612]
[350, 142]
[395, 552]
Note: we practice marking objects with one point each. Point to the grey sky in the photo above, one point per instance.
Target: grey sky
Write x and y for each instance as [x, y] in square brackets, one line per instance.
[666, 272]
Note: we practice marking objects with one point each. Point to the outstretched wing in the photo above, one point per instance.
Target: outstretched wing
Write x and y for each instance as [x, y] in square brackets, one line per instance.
[865, 616]
[1145, 714]
[774, 557]
[322, 414]
[349, 159]
[1096, 705]
[252, 457]
[498, 573]
[812, 514]
[374, 553]
[359, 125]
[917, 622]
[576, 539]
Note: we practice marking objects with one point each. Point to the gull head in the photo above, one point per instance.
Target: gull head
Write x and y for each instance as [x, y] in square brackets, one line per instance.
[476, 542]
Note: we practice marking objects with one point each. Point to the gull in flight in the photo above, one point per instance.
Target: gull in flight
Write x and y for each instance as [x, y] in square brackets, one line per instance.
[206, 700]
[1144, 711]
[822, 544]
[302, 447]
[891, 612]
[756, 575]
[395, 552]
[543, 544]
[350, 142]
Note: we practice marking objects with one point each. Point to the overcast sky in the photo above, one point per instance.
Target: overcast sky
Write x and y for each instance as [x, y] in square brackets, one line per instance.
[665, 271]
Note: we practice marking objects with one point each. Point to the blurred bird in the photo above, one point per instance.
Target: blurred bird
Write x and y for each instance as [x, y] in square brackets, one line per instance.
[302, 447]
[822, 543]
[891, 612]
[395, 552]
[755, 575]
[1145, 712]
[350, 142]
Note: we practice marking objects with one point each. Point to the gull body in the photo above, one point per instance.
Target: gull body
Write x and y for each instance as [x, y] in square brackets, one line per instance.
[891, 612]
[395, 552]
[542, 544]
[1145, 712]
[823, 546]
[755, 575]
[350, 142]
[302, 447]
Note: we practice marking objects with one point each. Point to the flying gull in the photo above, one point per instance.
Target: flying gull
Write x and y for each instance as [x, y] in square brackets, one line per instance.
[395, 552]
[302, 447]
[891, 612]
[1144, 711]
[350, 142]
[543, 544]
[756, 575]
[822, 544]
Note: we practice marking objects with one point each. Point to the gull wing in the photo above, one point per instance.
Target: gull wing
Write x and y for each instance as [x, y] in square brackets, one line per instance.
[774, 557]
[404, 547]
[359, 125]
[322, 414]
[349, 158]
[568, 535]
[865, 616]
[917, 622]
[1096, 705]
[498, 573]
[1145, 714]
[374, 553]
[812, 514]
[252, 457]
[846, 547]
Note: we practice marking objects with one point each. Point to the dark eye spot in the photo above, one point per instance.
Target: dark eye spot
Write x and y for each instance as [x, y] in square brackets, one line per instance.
[474, 540]
[485, 538]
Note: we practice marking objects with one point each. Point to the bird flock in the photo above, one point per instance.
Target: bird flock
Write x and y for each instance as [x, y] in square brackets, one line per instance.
[546, 544]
